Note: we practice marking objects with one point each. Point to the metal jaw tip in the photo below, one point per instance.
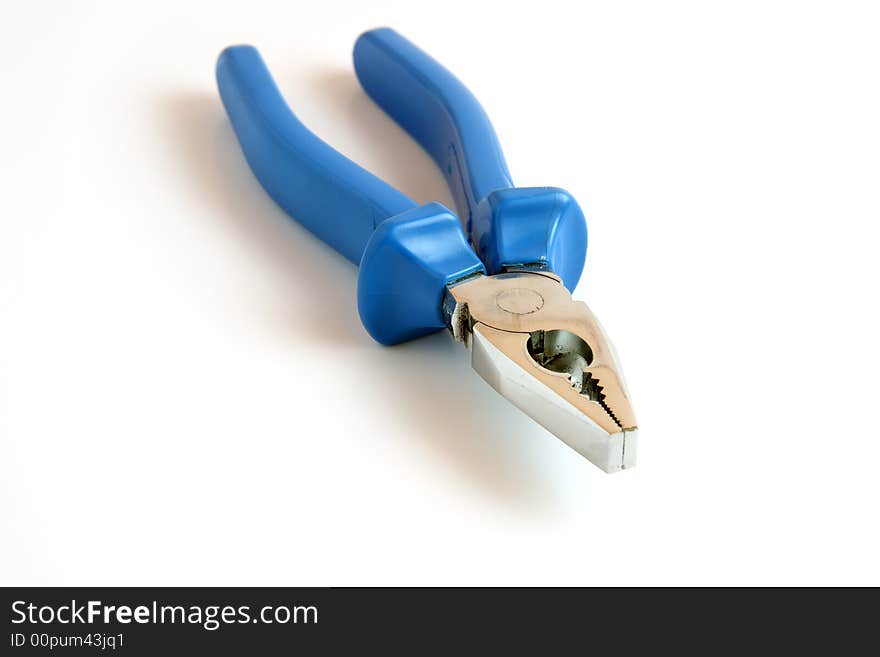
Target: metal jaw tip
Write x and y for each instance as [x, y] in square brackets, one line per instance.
[549, 356]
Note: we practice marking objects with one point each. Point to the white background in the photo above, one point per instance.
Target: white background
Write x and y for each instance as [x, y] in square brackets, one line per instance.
[186, 393]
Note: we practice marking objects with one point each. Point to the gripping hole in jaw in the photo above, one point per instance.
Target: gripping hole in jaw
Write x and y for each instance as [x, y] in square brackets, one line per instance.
[563, 352]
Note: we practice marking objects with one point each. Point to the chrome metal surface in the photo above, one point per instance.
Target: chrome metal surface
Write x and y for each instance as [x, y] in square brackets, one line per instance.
[549, 356]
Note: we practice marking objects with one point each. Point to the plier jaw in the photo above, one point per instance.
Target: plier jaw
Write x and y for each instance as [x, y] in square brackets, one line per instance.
[549, 356]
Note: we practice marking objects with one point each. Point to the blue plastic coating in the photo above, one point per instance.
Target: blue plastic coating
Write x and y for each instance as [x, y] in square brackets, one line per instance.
[406, 263]
[329, 194]
[437, 110]
[532, 227]
[538, 227]
[408, 254]
[405, 270]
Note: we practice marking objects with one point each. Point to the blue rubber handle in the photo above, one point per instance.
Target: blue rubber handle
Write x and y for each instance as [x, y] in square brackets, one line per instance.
[322, 189]
[437, 110]
[509, 227]
[405, 265]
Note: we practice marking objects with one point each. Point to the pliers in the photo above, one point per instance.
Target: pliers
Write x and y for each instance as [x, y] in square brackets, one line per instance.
[499, 280]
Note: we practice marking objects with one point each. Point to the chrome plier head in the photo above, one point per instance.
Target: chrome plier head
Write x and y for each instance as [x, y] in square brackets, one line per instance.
[548, 355]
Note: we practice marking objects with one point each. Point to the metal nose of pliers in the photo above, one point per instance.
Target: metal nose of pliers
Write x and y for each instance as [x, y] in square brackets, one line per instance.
[549, 356]
[501, 285]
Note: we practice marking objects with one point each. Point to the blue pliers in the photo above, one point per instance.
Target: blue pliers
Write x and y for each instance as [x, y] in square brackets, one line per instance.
[498, 280]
